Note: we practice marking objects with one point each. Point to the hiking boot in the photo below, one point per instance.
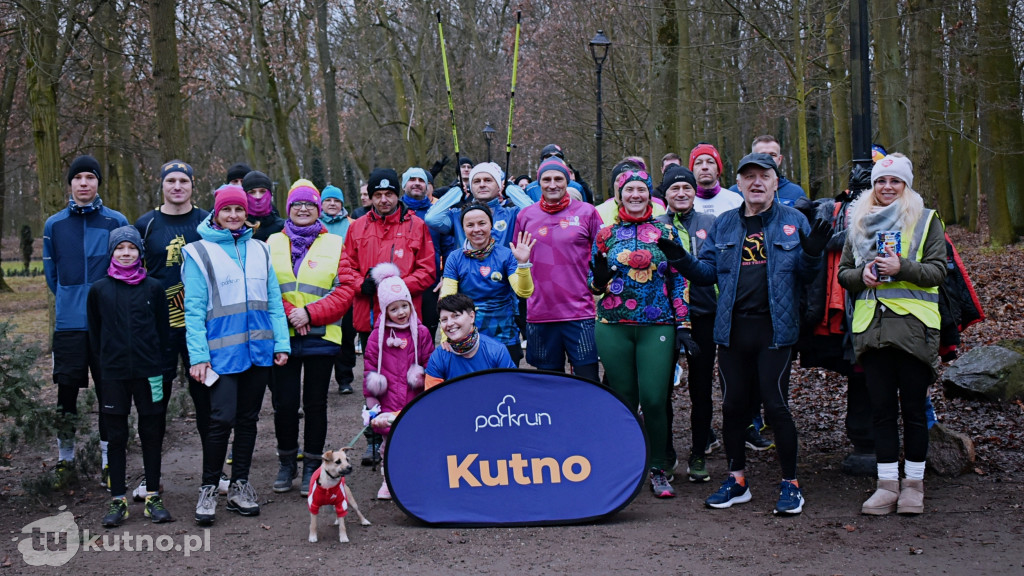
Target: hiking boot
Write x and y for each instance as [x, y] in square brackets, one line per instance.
[883, 501]
[155, 510]
[64, 474]
[660, 485]
[371, 456]
[206, 508]
[755, 441]
[730, 493]
[287, 472]
[713, 443]
[308, 467]
[791, 499]
[116, 513]
[242, 498]
[223, 484]
[697, 469]
[105, 478]
[911, 497]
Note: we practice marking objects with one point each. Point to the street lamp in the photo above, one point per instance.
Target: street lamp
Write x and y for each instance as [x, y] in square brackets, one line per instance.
[488, 135]
[599, 46]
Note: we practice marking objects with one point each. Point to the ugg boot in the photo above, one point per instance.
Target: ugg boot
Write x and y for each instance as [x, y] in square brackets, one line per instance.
[883, 501]
[911, 497]
[383, 493]
[287, 472]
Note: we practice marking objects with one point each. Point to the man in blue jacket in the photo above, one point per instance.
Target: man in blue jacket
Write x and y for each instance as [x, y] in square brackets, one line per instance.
[788, 192]
[759, 254]
[74, 256]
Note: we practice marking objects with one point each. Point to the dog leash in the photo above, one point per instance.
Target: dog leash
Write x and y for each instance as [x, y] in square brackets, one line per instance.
[356, 437]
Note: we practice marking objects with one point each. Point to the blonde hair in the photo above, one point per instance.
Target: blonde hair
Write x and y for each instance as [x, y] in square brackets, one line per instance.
[910, 203]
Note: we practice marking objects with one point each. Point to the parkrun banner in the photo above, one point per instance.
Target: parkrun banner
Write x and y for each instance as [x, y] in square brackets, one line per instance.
[515, 447]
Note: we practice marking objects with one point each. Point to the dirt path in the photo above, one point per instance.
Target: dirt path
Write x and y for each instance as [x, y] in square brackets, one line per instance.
[973, 522]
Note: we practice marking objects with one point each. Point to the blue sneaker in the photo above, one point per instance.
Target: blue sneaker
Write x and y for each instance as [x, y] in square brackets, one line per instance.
[791, 499]
[730, 493]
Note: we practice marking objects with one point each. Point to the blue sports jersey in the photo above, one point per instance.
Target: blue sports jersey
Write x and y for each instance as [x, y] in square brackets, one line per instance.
[448, 365]
[486, 283]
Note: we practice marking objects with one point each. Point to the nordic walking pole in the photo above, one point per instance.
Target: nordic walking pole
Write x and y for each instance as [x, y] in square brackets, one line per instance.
[512, 96]
[451, 106]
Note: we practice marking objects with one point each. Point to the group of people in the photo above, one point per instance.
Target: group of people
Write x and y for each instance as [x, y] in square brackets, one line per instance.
[251, 300]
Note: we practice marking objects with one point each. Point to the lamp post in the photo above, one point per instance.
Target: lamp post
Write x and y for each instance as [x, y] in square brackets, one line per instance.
[488, 135]
[599, 46]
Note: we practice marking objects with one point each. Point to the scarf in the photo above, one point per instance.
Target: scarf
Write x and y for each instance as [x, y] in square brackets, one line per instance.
[302, 238]
[259, 207]
[467, 345]
[328, 219]
[480, 253]
[709, 193]
[79, 209]
[234, 233]
[556, 207]
[133, 273]
[414, 204]
[880, 219]
[625, 217]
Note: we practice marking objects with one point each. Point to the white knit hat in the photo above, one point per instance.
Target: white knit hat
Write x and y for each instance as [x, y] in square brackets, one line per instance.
[487, 168]
[390, 289]
[898, 166]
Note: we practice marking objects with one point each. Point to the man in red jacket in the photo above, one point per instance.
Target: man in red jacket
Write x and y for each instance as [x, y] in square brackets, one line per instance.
[388, 232]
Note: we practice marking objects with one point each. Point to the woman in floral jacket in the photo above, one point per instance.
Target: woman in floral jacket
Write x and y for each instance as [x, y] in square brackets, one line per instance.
[642, 313]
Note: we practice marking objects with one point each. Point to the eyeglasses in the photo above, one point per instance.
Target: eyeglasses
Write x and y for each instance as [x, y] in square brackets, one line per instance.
[306, 205]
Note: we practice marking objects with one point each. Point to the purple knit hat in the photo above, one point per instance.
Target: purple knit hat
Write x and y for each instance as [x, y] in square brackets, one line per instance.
[304, 194]
[553, 163]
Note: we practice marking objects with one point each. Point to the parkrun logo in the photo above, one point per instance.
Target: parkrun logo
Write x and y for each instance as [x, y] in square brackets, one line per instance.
[54, 541]
[506, 418]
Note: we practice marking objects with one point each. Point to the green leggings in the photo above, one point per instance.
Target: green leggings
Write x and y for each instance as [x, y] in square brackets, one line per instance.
[639, 361]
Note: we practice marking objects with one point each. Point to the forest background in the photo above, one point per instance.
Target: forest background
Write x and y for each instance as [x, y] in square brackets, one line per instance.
[329, 90]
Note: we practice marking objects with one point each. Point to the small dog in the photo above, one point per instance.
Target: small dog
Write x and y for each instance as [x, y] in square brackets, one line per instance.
[327, 488]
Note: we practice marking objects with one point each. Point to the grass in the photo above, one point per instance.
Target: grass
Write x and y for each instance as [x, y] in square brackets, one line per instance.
[28, 308]
[17, 266]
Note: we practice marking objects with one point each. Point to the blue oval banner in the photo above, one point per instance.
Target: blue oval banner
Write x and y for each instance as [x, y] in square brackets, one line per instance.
[522, 447]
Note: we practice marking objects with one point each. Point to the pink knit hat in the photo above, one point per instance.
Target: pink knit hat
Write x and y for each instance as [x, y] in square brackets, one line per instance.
[229, 195]
[390, 289]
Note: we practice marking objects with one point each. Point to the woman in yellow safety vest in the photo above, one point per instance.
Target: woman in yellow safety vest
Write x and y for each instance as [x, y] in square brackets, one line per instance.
[317, 289]
[892, 264]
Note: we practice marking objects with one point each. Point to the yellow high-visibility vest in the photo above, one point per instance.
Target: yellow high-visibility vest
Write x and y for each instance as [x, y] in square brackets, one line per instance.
[316, 276]
[902, 297]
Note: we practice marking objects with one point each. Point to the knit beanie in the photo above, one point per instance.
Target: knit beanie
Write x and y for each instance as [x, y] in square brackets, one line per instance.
[175, 166]
[237, 171]
[555, 164]
[705, 148]
[487, 168]
[464, 160]
[230, 196]
[898, 166]
[303, 194]
[635, 176]
[84, 163]
[332, 192]
[125, 234]
[552, 150]
[415, 172]
[255, 179]
[382, 179]
[679, 174]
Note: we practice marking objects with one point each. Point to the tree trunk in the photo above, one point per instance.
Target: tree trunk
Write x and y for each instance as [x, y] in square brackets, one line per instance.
[113, 108]
[335, 167]
[278, 113]
[839, 94]
[890, 80]
[685, 99]
[999, 158]
[9, 83]
[800, 89]
[665, 82]
[929, 140]
[171, 124]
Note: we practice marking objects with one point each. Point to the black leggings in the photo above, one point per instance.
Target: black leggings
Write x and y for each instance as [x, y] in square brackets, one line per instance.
[898, 383]
[67, 402]
[700, 375]
[292, 384]
[345, 361]
[747, 365]
[151, 435]
[235, 402]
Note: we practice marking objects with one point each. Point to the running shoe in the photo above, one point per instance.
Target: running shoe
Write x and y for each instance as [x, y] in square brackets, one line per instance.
[791, 499]
[116, 513]
[155, 510]
[755, 441]
[660, 485]
[713, 443]
[697, 469]
[730, 493]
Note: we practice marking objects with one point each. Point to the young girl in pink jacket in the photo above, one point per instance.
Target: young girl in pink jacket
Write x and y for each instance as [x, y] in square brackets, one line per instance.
[396, 352]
